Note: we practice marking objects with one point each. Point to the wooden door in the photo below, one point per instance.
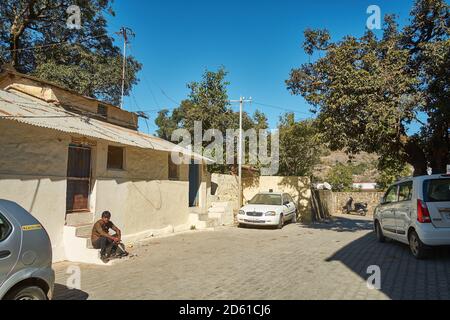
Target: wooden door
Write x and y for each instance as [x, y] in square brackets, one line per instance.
[78, 179]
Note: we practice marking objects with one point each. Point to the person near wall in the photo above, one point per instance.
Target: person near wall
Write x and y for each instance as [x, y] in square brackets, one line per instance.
[101, 238]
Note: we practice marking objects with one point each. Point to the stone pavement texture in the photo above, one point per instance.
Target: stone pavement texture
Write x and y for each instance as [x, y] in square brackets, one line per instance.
[320, 261]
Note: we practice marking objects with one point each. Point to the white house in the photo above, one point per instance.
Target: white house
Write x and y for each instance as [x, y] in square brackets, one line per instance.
[67, 158]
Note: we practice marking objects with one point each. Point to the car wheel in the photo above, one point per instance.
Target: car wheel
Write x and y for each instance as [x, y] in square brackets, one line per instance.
[379, 232]
[26, 293]
[240, 225]
[281, 223]
[418, 248]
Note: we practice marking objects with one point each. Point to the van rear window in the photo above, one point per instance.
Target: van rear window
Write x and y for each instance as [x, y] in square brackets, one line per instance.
[437, 190]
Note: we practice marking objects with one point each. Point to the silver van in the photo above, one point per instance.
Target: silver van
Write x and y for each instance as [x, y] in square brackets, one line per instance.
[25, 256]
[416, 211]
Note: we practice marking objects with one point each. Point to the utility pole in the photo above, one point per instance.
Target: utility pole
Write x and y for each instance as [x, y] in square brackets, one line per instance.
[241, 101]
[125, 33]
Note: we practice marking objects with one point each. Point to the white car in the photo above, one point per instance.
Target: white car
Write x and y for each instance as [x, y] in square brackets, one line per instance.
[416, 211]
[268, 209]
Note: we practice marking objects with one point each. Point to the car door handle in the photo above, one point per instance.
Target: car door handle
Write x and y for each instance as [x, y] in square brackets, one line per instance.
[4, 254]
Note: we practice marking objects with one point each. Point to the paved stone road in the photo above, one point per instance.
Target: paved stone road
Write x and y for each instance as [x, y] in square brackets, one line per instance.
[322, 261]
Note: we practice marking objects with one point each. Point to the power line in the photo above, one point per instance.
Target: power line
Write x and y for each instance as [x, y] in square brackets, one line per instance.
[147, 83]
[281, 108]
[171, 99]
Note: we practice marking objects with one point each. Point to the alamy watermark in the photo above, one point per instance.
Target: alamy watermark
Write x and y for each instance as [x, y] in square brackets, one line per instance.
[74, 280]
[74, 17]
[374, 280]
[374, 20]
[224, 148]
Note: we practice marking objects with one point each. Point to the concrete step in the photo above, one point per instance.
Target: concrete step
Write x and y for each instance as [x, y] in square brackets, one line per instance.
[217, 210]
[79, 248]
[89, 243]
[203, 217]
[196, 210]
[212, 223]
[220, 204]
[84, 231]
[77, 219]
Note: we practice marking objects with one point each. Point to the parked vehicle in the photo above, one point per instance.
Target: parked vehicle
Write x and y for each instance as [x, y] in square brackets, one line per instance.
[25, 256]
[359, 208]
[416, 211]
[268, 209]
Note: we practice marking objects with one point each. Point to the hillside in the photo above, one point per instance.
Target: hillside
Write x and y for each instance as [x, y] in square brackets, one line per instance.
[364, 163]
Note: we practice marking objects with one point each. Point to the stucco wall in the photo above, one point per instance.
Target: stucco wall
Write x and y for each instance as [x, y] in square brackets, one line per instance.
[33, 167]
[226, 188]
[140, 197]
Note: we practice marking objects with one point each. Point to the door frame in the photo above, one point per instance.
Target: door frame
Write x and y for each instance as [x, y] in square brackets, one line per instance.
[89, 179]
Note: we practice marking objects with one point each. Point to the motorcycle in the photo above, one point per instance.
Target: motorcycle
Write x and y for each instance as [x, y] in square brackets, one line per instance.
[359, 208]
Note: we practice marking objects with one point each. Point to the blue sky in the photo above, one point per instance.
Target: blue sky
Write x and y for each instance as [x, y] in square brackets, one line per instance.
[258, 42]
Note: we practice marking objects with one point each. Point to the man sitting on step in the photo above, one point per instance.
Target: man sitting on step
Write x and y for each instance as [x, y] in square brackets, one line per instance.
[101, 239]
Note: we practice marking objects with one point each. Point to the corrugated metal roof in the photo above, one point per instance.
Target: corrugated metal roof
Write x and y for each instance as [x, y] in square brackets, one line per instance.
[22, 108]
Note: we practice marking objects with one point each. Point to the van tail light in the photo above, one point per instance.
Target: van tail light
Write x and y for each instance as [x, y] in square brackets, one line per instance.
[423, 214]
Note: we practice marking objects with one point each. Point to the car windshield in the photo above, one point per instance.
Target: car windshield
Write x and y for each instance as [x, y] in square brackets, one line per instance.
[266, 199]
[437, 190]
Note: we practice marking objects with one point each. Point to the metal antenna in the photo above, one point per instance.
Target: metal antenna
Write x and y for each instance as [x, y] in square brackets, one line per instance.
[125, 33]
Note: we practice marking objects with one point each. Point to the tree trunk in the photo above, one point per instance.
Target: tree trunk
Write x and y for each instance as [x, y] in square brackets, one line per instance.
[416, 157]
[440, 150]
[21, 22]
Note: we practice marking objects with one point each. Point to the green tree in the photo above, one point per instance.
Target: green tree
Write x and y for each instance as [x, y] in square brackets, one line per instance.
[300, 146]
[341, 177]
[208, 103]
[368, 91]
[389, 174]
[35, 39]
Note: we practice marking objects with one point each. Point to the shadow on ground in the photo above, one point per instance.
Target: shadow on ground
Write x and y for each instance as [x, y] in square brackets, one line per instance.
[64, 293]
[341, 224]
[402, 276]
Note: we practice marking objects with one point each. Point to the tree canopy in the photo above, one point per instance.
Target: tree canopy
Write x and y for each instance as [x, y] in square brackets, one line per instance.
[35, 39]
[209, 104]
[368, 91]
[300, 146]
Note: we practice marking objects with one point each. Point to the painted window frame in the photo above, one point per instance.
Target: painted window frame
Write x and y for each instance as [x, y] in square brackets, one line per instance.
[124, 157]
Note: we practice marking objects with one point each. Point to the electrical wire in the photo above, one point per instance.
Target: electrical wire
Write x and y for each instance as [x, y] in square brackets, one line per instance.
[281, 108]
